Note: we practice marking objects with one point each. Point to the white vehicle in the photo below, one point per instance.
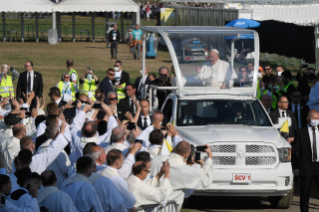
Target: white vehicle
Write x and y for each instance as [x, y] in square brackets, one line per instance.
[250, 157]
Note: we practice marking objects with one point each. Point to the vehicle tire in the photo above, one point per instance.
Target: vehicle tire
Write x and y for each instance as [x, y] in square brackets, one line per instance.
[282, 202]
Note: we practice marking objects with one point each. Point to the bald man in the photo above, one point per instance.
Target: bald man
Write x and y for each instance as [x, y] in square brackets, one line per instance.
[193, 177]
[305, 158]
[11, 146]
[216, 73]
[152, 191]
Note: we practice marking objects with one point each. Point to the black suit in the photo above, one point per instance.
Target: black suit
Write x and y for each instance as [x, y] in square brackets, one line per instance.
[123, 107]
[140, 122]
[106, 86]
[137, 84]
[293, 128]
[304, 109]
[22, 86]
[302, 160]
[125, 78]
[161, 94]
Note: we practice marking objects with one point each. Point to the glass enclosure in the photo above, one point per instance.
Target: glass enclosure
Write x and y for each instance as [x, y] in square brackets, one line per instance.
[203, 112]
[209, 59]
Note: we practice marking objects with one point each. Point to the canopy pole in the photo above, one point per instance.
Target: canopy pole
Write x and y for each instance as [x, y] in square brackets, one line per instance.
[22, 27]
[73, 26]
[37, 27]
[143, 66]
[93, 27]
[59, 26]
[107, 17]
[4, 26]
[122, 26]
[53, 20]
[138, 16]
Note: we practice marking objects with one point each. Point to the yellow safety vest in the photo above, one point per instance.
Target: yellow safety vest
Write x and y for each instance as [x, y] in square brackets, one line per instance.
[120, 92]
[6, 86]
[274, 99]
[89, 87]
[60, 86]
[285, 89]
[259, 94]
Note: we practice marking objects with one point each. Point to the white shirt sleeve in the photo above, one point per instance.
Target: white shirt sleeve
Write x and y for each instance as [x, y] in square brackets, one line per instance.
[73, 77]
[41, 128]
[78, 121]
[33, 206]
[42, 160]
[129, 198]
[176, 140]
[126, 169]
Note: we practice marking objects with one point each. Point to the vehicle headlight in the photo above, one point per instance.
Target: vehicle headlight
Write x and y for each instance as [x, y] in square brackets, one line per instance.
[284, 154]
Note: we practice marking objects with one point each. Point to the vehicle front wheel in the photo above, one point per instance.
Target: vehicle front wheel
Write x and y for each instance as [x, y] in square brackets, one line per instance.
[282, 202]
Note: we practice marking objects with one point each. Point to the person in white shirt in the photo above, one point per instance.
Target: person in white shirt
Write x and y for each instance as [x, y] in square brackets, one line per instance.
[216, 73]
[22, 197]
[42, 160]
[80, 189]
[115, 161]
[11, 146]
[152, 191]
[53, 198]
[61, 164]
[156, 139]
[313, 100]
[5, 188]
[183, 176]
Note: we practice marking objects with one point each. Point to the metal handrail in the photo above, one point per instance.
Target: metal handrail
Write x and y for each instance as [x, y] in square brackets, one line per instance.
[155, 87]
[171, 206]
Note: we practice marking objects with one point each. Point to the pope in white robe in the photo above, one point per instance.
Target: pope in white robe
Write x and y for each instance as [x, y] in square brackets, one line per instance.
[110, 198]
[216, 73]
[82, 193]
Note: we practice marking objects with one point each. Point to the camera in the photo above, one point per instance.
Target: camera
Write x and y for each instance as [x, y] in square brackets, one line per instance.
[131, 126]
[201, 148]
[138, 141]
[197, 156]
[3, 200]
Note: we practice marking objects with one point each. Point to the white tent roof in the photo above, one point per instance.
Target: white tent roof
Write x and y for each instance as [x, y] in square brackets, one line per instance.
[262, 2]
[97, 6]
[26, 6]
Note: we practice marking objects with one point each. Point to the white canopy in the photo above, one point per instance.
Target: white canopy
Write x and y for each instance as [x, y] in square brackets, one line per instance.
[97, 6]
[26, 6]
[263, 2]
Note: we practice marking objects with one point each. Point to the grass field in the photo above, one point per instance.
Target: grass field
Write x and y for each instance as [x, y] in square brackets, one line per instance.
[50, 60]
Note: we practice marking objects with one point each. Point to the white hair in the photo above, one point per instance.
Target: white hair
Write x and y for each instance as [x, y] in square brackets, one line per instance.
[96, 155]
[215, 50]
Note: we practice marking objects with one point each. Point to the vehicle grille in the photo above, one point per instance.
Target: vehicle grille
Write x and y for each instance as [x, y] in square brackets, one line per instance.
[197, 53]
[241, 155]
[224, 161]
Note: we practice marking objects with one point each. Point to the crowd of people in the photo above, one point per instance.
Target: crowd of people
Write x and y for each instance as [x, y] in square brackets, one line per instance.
[98, 148]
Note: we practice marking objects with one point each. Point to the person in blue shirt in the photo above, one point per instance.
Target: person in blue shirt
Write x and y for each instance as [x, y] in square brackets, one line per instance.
[136, 40]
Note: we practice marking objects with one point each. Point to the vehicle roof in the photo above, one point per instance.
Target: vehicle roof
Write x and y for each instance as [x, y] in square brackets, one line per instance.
[206, 97]
[197, 29]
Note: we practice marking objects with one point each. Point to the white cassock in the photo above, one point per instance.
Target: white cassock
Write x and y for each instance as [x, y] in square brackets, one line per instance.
[72, 169]
[42, 160]
[60, 165]
[149, 192]
[110, 197]
[14, 185]
[10, 148]
[7, 133]
[82, 193]
[55, 200]
[42, 126]
[120, 146]
[120, 184]
[194, 177]
[20, 197]
[32, 206]
[78, 142]
[217, 74]
[154, 150]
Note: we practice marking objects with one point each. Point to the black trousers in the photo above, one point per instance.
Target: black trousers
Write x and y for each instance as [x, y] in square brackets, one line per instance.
[114, 46]
[305, 187]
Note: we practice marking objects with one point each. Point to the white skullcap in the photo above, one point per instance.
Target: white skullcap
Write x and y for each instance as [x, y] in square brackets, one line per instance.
[215, 50]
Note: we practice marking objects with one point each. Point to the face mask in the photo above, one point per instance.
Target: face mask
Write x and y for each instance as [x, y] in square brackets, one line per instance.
[279, 74]
[314, 122]
[89, 77]
[310, 84]
[262, 88]
[116, 68]
[66, 83]
[117, 79]
[259, 74]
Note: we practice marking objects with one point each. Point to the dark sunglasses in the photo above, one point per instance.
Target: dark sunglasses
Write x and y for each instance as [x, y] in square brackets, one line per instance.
[113, 99]
[112, 74]
[84, 102]
[267, 69]
[163, 75]
[66, 77]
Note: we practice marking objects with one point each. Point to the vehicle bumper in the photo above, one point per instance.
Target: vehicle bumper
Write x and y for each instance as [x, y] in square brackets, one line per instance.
[264, 182]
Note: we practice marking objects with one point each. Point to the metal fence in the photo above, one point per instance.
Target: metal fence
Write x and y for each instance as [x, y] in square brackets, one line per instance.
[194, 16]
[171, 206]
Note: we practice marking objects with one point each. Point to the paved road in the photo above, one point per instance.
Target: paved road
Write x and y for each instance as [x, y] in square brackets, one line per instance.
[247, 204]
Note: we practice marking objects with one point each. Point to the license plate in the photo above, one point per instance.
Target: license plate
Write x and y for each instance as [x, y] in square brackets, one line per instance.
[241, 178]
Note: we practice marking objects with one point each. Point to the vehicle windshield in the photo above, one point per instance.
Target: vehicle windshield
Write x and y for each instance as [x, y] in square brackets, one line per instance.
[219, 61]
[203, 112]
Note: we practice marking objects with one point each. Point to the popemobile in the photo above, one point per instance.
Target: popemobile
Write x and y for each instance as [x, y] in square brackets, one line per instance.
[212, 101]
